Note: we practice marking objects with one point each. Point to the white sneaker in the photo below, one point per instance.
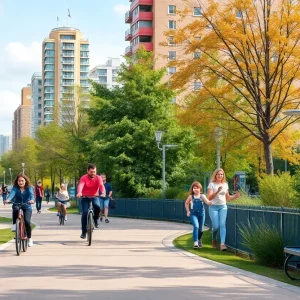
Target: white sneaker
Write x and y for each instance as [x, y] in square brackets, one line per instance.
[30, 242]
[66, 219]
[13, 227]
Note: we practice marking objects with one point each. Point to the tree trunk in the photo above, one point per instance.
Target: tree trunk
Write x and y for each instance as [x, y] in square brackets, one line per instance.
[268, 155]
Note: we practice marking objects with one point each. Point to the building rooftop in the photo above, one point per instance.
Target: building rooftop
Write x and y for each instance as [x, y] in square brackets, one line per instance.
[65, 28]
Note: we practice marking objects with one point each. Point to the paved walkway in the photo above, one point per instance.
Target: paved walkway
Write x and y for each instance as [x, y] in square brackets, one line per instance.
[129, 259]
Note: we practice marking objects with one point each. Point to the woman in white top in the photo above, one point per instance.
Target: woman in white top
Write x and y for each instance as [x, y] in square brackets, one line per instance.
[218, 192]
[63, 197]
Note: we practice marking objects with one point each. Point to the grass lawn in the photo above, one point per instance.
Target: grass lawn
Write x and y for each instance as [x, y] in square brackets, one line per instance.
[185, 242]
[6, 234]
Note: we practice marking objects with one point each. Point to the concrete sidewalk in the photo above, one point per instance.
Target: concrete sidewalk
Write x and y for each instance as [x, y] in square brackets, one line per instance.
[129, 259]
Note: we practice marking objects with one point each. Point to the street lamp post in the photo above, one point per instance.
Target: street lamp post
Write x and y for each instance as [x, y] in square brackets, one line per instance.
[10, 176]
[4, 177]
[23, 168]
[158, 135]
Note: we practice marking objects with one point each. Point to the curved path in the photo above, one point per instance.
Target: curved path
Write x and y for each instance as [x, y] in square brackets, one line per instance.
[129, 259]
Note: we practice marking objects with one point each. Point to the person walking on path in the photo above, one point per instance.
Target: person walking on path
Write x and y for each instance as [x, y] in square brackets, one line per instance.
[39, 194]
[104, 202]
[4, 192]
[218, 192]
[62, 196]
[22, 192]
[47, 194]
[195, 210]
[88, 190]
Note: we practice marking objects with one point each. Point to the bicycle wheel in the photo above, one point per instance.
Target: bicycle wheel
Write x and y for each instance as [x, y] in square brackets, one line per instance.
[18, 237]
[61, 216]
[24, 237]
[292, 267]
[90, 228]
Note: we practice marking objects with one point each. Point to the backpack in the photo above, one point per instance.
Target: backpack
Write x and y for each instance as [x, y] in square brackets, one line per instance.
[4, 190]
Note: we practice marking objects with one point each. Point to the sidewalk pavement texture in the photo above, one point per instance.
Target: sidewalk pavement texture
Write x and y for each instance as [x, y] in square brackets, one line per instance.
[128, 259]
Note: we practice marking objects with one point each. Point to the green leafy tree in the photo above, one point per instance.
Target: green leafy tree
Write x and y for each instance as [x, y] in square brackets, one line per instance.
[127, 118]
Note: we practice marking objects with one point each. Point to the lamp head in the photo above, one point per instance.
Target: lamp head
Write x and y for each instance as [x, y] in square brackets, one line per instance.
[158, 135]
[23, 164]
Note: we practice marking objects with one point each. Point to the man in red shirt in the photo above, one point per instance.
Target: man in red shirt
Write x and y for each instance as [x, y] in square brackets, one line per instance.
[88, 189]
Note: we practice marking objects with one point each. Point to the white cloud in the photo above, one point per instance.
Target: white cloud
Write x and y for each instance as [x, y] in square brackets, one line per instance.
[12, 101]
[121, 9]
[19, 53]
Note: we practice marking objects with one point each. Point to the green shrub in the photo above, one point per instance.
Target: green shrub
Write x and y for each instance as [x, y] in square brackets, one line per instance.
[278, 190]
[173, 192]
[248, 201]
[265, 242]
[182, 195]
[73, 203]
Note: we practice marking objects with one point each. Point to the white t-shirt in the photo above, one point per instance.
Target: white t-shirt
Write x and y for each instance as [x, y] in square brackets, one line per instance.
[63, 195]
[220, 199]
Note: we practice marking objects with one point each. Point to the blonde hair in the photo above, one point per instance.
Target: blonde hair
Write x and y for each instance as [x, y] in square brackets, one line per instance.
[214, 175]
[62, 187]
[197, 184]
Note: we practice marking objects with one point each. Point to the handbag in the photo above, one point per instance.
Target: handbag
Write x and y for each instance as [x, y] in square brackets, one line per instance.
[112, 204]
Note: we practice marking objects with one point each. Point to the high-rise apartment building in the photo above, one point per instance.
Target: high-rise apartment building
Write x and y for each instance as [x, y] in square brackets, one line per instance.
[36, 102]
[65, 65]
[106, 74]
[149, 20]
[4, 143]
[22, 117]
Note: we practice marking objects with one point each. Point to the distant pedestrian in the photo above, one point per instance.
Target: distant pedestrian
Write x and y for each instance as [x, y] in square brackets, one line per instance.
[39, 194]
[218, 192]
[4, 192]
[195, 210]
[47, 194]
[104, 202]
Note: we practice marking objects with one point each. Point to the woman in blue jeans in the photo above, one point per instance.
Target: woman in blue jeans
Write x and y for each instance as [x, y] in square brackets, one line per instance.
[195, 210]
[218, 192]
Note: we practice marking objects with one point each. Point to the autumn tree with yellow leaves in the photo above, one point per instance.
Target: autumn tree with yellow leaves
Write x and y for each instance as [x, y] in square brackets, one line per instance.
[248, 64]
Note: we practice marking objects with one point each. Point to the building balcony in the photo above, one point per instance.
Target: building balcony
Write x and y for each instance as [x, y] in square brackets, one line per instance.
[67, 76]
[63, 54]
[135, 3]
[143, 16]
[128, 50]
[128, 17]
[147, 45]
[68, 47]
[143, 31]
[67, 70]
[68, 62]
[128, 35]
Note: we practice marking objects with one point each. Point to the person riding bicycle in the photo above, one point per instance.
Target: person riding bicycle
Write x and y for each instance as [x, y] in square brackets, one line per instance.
[88, 189]
[22, 192]
[62, 196]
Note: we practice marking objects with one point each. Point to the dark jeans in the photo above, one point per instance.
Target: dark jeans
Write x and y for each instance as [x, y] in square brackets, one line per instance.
[85, 203]
[47, 198]
[38, 202]
[4, 196]
[27, 217]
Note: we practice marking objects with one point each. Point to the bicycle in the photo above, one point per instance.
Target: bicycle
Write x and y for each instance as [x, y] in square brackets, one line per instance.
[61, 216]
[90, 223]
[21, 235]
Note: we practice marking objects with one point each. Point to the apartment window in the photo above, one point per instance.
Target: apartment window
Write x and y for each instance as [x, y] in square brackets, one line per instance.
[197, 11]
[171, 40]
[39, 114]
[172, 55]
[197, 54]
[197, 86]
[39, 90]
[172, 24]
[172, 9]
[39, 122]
[39, 98]
[239, 14]
[171, 70]
[67, 37]
[84, 47]
[39, 106]
[102, 72]
[39, 82]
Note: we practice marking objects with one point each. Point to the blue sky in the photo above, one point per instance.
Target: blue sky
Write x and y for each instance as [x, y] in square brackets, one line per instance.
[24, 24]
